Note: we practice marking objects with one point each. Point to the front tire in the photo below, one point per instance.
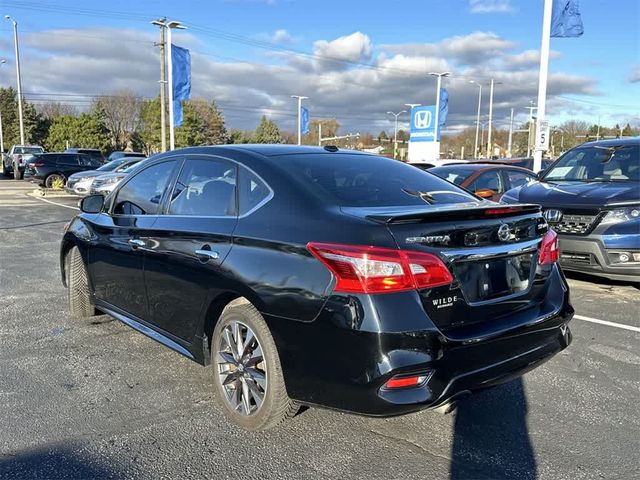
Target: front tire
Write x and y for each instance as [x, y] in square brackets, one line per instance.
[248, 379]
[54, 180]
[80, 300]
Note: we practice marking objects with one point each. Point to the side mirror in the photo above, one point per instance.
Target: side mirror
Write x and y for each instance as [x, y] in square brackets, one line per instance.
[92, 204]
[485, 193]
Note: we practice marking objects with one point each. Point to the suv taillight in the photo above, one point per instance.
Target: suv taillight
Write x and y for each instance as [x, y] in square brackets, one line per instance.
[36, 164]
[362, 269]
[549, 252]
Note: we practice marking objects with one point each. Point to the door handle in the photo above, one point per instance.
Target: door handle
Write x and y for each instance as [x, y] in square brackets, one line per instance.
[206, 255]
[135, 243]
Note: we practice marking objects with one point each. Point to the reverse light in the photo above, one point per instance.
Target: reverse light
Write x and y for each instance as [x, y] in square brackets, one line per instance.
[406, 381]
[549, 252]
[362, 269]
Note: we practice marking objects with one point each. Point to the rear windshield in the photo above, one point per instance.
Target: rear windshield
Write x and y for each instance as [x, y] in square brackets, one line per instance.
[455, 175]
[93, 153]
[370, 181]
[28, 150]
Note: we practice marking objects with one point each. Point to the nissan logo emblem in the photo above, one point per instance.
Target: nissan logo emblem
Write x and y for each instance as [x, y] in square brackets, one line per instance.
[504, 233]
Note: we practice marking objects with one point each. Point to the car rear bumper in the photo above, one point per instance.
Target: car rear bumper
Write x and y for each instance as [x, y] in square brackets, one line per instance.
[589, 255]
[330, 363]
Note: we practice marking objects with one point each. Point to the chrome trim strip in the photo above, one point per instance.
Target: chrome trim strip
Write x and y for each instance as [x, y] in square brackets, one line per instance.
[149, 332]
[480, 253]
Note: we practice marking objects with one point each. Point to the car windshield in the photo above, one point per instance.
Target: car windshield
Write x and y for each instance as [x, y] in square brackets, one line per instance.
[455, 175]
[28, 150]
[596, 163]
[370, 181]
[111, 166]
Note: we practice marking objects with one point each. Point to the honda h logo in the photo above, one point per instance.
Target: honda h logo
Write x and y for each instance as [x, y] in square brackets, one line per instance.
[553, 216]
[422, 119]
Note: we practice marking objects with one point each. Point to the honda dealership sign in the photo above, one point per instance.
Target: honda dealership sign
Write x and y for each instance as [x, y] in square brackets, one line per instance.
[422, 148]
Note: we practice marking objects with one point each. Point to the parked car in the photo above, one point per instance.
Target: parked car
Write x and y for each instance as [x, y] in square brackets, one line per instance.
[122, 153]
[591, 198]
[107, 182]
[487, 180]
[436, 163]
[313, 276]
[92, 152]
[80, 183]
[524, 162]
[14, 162]
[51, 169]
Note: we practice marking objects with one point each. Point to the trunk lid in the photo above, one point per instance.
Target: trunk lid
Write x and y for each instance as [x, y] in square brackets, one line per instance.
[491, 251]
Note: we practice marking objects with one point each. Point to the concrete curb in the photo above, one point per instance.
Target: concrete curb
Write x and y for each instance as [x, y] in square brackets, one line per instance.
[50, 192]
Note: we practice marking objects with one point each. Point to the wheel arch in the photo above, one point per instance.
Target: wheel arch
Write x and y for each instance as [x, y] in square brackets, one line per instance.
[212, 315]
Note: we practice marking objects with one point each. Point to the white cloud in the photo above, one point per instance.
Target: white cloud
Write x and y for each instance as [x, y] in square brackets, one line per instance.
[490, 6]
[280, 36]
[528, 58]
[336, 53]
[634, 76]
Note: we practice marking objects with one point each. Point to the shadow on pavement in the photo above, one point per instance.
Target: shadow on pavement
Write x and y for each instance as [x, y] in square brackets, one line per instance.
[601, 281]
[491, 439]
[54, 463]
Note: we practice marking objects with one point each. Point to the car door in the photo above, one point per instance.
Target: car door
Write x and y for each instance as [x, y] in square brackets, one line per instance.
[189, 243]
[116, 257]
[68, 164]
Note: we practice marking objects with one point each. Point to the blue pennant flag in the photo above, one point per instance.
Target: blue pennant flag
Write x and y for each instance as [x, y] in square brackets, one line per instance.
[444, 107]
[304, 120]
[565, 19]
[181, 71]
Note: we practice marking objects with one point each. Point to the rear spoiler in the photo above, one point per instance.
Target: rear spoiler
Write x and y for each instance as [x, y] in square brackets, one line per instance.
[474, 213]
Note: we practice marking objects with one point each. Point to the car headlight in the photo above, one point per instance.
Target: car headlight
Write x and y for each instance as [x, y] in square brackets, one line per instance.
[112, 180]
[620, 215]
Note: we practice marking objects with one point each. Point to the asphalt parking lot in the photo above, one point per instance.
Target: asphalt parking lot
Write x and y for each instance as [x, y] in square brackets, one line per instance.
[95, 399]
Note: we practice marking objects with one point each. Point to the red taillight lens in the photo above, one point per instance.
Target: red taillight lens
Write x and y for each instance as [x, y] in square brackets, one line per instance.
[362, 269]
[549, 252]
[36, 164]
[406, 382]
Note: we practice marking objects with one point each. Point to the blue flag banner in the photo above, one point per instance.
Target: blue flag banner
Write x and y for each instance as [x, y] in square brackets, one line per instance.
[304, 120]
[181, 71]
[444, 109]
[565, 19]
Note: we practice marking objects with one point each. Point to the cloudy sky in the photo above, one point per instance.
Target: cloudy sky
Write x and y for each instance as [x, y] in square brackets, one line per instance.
[355, 59]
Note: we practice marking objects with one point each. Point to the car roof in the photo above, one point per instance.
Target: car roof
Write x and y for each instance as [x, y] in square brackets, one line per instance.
[271, 150]
[612, 142]
[481, 166]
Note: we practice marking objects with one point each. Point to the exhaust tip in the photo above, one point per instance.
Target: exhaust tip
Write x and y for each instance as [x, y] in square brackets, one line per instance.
[451, 404]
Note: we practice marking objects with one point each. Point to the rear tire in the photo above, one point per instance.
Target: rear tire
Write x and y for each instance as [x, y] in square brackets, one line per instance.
[266, 404]
[80, 299]
[54, 179]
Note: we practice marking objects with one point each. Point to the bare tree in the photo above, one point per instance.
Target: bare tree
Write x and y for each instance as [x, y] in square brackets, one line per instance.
[121, 114]
[51, 110]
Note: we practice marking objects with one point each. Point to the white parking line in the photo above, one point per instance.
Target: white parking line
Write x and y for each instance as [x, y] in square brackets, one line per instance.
[609, 324]
[58, 204]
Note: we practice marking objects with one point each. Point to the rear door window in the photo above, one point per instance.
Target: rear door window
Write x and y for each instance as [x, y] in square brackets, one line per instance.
[87, 161]
[205, 188]
[491, 180]
[68, 159]
[143, 193]
[252, 191]
[517, 178]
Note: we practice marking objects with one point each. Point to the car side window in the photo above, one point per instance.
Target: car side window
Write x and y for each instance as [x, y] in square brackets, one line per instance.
[518, 178]
[252, 191]
[205, 188]
[143, 193]
[87, 161]
[490, 180]
[67, 159]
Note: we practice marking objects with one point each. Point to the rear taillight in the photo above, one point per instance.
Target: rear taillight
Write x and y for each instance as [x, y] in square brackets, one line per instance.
[549, 252]
[36, 164]
[362, 269]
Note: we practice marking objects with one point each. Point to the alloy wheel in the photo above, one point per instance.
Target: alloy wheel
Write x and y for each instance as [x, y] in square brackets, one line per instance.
[241, 368]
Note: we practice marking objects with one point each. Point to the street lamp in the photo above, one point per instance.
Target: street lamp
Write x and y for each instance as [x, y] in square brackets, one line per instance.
[395, 133]
[170, 26]
[2, 62]
[489, 145]
[18, 78]
[475, 151]
[437, 120]
[300, 98]
[162, 23]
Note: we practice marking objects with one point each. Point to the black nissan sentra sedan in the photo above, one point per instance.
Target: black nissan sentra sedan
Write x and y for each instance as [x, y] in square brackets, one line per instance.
[312, 276]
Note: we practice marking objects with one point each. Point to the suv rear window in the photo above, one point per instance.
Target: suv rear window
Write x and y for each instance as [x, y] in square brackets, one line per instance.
[356, 180]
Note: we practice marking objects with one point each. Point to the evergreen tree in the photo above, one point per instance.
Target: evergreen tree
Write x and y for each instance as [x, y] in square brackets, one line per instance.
[267, 132]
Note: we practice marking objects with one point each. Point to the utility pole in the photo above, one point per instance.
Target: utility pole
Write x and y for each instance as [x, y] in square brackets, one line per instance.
[437, 119]
[319, 134]
[299, 98]
[489, 144]
[529, 142]
[542, 80]
[162, 23]
[2, 62]
[475, 150]
[18, 77]
[510, 135]
[395, 133]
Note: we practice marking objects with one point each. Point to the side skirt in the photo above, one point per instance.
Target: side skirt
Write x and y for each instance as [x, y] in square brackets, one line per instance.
[144, 329]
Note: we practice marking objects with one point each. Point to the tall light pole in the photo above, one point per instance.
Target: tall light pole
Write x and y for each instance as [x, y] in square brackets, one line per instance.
[2, 62]
[437, 120]
[18, 77]
[510, 144]
[300, 98]
[395, 133]
[170, 26]
[542, 79]
[162, 23]
[475, 150]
